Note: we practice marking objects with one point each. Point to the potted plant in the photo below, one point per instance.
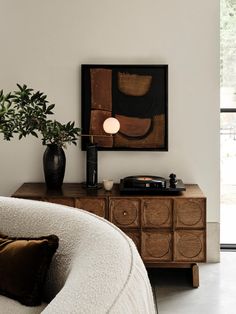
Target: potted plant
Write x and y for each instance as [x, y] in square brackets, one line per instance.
[25, 112]
[7, 121]
[55, 135]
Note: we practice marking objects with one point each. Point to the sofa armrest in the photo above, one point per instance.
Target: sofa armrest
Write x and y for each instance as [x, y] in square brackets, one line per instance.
[107, 276]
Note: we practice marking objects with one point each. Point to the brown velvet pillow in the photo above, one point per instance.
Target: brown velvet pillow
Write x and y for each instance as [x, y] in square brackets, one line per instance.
[24, 263]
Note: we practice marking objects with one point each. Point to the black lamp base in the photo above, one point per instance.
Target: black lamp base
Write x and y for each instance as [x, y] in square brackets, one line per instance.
[91, 166]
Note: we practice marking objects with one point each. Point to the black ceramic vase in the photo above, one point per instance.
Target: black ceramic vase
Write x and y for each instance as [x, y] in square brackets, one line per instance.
[54, 162]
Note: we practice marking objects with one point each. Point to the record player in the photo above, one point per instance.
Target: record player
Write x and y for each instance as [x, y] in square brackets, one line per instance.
[151, 184]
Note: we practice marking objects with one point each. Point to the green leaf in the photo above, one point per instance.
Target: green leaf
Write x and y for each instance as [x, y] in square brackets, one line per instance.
[34, 133]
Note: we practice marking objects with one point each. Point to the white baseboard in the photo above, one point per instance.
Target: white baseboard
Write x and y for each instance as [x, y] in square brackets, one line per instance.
[213, 242]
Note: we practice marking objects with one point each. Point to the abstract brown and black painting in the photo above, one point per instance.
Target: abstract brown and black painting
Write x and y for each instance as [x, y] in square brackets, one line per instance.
[137, 95]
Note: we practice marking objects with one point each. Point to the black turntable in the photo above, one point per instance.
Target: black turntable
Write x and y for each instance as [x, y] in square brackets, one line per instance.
[151, 184]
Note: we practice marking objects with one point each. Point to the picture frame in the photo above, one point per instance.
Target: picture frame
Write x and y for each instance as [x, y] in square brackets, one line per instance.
[136, 95]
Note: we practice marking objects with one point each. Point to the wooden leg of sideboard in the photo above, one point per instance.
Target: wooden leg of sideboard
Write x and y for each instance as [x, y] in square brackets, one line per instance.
[195, 275]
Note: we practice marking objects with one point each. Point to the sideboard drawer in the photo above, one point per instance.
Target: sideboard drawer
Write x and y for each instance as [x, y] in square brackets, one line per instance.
[190, 213]
[96, 206]
[156, 246]
[61, 200]
[189, 246]
[125, 212]
[157, 213]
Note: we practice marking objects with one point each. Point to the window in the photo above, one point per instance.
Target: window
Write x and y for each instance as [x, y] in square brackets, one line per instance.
[228, 122]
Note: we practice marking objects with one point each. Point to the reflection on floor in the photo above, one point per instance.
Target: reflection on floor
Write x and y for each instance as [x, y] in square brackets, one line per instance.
[216, 294]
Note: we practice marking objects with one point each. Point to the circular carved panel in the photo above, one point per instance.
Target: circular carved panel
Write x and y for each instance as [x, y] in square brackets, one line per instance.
[189, 245]
[125, 212]
[157, 245]
[157, 213]
[190, 213]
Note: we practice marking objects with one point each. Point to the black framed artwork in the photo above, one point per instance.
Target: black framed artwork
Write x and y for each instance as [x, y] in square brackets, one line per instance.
[136, 95]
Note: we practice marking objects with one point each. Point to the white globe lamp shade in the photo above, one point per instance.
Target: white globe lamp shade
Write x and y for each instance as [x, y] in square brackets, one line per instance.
[111, 125]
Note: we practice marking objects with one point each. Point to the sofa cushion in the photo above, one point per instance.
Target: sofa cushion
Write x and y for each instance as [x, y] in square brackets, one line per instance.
[9, 306]
[23, 267]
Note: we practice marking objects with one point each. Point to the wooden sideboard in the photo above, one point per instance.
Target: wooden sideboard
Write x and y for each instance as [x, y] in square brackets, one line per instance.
[168, 230]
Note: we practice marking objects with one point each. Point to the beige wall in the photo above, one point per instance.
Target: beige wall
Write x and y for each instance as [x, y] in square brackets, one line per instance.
[44, 42]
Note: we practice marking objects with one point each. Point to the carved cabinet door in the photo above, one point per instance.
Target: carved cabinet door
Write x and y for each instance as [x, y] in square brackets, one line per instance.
[157, 213]
[156, 246]
[94, 205]
[125, 212]
[189, 245]
[190, 213]
[60, 200]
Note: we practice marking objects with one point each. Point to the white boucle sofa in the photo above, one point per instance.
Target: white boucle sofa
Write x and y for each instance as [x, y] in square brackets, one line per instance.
[96, 268]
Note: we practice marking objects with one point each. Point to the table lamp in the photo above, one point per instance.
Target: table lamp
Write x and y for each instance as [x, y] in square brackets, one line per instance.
[110, 126]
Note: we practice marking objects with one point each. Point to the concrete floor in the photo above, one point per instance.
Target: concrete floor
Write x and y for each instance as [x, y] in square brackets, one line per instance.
[216, 294]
